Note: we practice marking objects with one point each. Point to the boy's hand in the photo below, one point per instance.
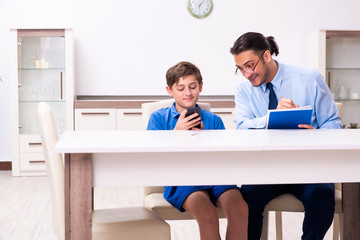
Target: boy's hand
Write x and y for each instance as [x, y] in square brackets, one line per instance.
[186, 123]
[202, 127]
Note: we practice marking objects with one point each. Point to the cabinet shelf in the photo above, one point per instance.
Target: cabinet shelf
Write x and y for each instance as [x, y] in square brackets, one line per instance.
[41, 69]
[48, 101]
[342, 69]
[347, 100]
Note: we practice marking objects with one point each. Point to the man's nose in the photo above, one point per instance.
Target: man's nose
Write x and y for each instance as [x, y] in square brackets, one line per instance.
[247, 74]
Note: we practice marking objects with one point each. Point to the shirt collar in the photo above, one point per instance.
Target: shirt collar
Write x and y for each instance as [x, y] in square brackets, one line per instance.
[277, 81]
[174, 112]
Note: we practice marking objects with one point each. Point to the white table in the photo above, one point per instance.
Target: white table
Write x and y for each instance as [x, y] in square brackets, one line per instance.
[158, 158]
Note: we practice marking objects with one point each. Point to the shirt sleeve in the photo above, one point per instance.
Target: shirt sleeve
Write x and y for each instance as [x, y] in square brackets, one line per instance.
[219, 123]
[327, 114]
[244, 116]
[155, 122]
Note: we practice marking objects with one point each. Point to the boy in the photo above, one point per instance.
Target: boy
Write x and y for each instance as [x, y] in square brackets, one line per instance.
[184, 84]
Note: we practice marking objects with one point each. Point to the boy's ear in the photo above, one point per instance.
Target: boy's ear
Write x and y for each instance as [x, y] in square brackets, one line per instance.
[168, 89]
[200, 87]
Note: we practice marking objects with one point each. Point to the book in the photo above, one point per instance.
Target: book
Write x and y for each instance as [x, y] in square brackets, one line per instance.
[288, 118]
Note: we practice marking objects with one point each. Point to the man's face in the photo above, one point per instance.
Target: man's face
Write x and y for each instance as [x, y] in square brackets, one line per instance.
[253, 67]
[185, 92]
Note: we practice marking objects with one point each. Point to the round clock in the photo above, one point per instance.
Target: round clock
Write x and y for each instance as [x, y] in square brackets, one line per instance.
[200, 8]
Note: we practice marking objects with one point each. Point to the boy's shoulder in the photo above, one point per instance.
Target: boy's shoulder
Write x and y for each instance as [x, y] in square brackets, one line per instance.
[208, 114]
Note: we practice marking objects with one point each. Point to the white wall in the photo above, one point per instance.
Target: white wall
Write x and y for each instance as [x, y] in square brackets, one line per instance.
[125, 47]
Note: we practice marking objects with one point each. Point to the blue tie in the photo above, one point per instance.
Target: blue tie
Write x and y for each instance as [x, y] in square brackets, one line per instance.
[272, 96]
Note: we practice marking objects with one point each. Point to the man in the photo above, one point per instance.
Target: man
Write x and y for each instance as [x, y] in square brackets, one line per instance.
[273, 85]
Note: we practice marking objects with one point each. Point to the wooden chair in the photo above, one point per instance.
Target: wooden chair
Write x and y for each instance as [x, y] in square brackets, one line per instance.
[131, 223]
[289, 203]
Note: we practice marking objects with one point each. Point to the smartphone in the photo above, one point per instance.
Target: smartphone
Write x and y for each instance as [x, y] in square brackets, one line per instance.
[192, 111]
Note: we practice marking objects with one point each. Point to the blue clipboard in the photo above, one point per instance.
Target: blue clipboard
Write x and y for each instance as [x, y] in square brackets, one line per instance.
[288, 118]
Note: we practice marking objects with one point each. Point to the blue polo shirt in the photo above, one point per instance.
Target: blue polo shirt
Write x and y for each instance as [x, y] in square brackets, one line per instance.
[166, 119]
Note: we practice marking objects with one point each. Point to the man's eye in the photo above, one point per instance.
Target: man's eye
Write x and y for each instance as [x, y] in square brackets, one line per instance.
[180, 89]
[250, 66]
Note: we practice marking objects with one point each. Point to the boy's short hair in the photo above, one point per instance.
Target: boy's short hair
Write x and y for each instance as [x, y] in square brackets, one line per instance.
[182, 69]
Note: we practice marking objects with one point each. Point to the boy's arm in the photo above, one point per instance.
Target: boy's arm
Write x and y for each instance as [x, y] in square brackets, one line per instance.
[155, 122]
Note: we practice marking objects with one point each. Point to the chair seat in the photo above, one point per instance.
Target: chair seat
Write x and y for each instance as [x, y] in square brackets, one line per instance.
[157, 203]
[289, 203]
[128, 223]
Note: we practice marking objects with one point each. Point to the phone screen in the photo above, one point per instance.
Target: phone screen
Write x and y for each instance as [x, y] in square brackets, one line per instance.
[192, 111]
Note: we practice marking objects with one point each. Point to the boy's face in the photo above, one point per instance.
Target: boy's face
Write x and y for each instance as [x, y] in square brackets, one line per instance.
[185, 92]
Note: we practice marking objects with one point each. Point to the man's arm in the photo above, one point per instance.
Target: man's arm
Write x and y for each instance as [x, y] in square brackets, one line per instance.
[244, 116]
[327, 114]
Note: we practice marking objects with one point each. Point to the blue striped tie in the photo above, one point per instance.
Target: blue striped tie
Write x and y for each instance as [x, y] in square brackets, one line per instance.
[272, 96]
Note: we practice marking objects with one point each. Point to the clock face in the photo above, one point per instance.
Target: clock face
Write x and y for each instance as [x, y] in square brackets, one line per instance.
[200, 8]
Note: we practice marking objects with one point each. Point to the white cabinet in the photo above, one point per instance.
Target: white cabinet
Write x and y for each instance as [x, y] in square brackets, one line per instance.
[336, 55]
[42, 71]
[95, 119]
[129, 119]
[107, 119]
[227, 116]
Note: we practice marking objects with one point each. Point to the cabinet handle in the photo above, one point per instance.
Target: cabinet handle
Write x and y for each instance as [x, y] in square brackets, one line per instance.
[95, 113]
[19, 85]
[132, 113]
[36, 161]
[222, 112]
[35, 144]
[61, 85]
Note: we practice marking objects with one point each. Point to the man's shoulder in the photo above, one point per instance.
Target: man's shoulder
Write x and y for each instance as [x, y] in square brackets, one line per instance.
[302, 70]
[244, 84]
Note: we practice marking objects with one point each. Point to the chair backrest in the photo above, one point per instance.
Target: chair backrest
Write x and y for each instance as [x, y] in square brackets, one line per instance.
[147, 110]
[54, 167]
[340, 109]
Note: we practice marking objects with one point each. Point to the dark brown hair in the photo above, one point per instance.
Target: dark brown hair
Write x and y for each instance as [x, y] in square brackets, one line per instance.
[182, 69]
[256, 42]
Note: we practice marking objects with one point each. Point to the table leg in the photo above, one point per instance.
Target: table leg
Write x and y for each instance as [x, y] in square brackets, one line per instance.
[351, 210]
[78, 196]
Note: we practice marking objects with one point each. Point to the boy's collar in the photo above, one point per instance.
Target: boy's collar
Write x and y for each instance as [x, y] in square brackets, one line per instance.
[174, 112]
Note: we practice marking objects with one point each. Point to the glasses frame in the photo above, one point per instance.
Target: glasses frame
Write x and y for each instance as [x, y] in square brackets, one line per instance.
[248, 70]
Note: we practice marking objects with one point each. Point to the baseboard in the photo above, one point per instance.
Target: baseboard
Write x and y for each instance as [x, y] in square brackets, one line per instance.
[5, 166]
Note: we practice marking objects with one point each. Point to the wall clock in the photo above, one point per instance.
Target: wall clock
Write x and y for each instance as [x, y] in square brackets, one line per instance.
[200, 8]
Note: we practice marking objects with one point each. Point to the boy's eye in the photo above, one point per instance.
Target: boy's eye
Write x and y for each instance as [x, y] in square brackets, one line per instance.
[180, 89]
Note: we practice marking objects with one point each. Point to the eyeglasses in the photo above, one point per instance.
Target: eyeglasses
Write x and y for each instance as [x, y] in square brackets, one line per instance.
[249, 68]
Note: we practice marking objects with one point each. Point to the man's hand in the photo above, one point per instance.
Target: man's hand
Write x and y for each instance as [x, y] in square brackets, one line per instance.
[286, 103]
[189, 122]
[307, 126]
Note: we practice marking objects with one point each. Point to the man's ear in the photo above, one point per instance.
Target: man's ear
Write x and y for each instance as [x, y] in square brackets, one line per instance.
[168, 89]
[267, 56]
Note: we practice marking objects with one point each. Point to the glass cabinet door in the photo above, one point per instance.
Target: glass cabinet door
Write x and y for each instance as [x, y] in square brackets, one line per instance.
[41, 77]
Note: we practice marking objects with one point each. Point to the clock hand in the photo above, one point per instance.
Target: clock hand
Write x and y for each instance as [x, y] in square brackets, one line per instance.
[201, 3]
